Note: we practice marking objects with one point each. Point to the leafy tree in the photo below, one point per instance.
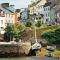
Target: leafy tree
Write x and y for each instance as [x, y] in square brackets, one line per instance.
[39, 20]
[21, 27]
[13, 31]
[38, 24]
[52, 37]
[9, 33]
[28, 23]
[16, 33]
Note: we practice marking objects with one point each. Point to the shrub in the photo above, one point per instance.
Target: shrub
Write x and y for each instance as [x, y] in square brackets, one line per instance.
[53, 36]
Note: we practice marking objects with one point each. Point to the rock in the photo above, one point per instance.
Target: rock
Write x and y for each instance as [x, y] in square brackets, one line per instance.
[24, 48]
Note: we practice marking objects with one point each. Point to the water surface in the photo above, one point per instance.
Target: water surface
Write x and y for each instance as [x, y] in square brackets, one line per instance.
[29, 58]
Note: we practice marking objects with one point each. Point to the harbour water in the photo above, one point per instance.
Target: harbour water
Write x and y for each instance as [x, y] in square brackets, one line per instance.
[29, 58]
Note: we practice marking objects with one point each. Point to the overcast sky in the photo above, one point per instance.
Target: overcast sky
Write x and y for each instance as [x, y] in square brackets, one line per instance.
[17, 3]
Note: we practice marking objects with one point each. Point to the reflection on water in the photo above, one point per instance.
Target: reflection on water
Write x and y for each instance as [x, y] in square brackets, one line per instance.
[29, 58]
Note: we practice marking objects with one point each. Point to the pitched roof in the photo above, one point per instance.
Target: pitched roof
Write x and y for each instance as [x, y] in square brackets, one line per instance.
[7, 9]
[47, 4]
[34, 3]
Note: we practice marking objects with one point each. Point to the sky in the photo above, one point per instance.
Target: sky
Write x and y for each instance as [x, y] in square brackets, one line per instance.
[18, 3]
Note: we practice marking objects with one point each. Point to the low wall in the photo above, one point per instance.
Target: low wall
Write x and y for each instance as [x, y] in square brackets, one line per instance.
[15, 49]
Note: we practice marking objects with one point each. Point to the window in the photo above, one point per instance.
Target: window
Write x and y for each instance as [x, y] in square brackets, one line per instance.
[2, 12]
[46, 20]
[9, 21]
[2, 28]
[9, 15]
[1, 22]
[44, 9]
[46, 14]
[59, 14]
[48, 8]
[12, 21]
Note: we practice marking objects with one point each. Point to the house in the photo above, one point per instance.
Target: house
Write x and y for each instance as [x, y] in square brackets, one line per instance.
[7, 15]
[24, 15]
[2, 21]
[57, 9]
[47, 13]
[37, 8]
[52, 12]
[17, 16]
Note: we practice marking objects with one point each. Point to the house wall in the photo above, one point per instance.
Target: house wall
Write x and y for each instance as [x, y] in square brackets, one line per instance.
[10, 18]
[47, 14]
[36, 7]
[24, 16]
[2, 25]
[52, 15]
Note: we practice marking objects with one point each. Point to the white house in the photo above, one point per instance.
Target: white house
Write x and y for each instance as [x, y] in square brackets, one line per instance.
[7, 15]
[2, 24]
[41, 9]
[41, 12]
[47, 13]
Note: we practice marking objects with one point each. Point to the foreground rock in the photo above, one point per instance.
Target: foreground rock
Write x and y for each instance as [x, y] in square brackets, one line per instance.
[14, 49]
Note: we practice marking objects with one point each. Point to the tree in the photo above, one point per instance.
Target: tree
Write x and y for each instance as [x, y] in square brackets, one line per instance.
[13, 31]
[9, 33]
[39, 20]
[38, 24]
[16, 33]
[28, 23]
[52, 37]
[21, 27]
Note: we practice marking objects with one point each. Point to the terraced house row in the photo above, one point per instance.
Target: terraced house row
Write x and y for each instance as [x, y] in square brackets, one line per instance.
[50, 9]
[8, 15]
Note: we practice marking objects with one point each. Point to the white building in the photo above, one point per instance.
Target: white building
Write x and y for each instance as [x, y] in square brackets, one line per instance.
[2, 24]
[41, 9]
[41, 12]
[7, 15]
[47, 13]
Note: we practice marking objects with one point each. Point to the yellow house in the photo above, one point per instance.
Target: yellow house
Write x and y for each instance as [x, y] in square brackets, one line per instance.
[32, 8]
[35, 6]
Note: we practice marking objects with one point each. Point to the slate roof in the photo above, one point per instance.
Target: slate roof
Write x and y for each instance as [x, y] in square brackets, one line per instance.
[7, 9]
[34, 3]
[47, 4]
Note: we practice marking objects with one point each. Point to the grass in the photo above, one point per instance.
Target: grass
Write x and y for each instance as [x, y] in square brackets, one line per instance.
[44, 52]
[56, 53]
[30, 32]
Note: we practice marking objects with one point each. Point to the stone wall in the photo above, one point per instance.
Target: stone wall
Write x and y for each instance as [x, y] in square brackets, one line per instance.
[15, 49]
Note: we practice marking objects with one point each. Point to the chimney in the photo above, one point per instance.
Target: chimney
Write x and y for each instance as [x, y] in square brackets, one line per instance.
[17, 10]
[12, 6]
[5, 4]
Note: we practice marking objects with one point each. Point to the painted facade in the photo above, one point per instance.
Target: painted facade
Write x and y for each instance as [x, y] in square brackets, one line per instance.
[7, 15]
[24, 15]
[47, 13]
[53, 12]
[34, 8]
[53, 16]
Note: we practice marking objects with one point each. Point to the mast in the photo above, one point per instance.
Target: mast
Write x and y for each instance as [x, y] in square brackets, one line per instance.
[35, 33]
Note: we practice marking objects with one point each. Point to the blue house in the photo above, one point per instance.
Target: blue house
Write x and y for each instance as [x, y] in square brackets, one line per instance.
[24, 16]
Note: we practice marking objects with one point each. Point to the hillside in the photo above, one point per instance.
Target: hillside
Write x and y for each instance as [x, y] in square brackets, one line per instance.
[29, 34]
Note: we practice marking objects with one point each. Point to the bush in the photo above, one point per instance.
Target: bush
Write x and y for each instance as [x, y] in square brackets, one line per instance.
[38, 24]
[28, 24]
[13, 31]
[52, 37]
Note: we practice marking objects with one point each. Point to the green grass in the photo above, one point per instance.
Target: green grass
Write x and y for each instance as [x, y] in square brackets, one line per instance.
[56, 51]
[30, 32]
